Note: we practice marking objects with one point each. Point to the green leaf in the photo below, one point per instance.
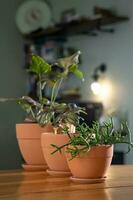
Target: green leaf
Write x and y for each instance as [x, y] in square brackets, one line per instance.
[39, 66]
[45, 101]
[68, 61]
[74, 69]
[25, 106]
[79, 74]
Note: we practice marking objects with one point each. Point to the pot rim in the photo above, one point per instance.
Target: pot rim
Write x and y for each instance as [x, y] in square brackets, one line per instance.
[26, 123]
[94, 151]
[96, 146]
[53, 134]
[32, 123]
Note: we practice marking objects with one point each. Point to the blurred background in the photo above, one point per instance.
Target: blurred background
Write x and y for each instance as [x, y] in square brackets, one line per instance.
[102, 30]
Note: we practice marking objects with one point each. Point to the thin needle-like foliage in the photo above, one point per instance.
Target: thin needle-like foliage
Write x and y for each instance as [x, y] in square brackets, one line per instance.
[87, 137]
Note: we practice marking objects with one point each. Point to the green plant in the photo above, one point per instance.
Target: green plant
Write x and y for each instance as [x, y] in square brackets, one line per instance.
[86, 137]
[44, 111]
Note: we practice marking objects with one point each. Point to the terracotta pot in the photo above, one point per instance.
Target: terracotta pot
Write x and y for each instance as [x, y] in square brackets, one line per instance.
[57, 161]
[92, 165]
[29, 136]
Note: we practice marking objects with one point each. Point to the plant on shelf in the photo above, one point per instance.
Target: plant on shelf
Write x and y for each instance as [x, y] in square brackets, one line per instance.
[89, 151]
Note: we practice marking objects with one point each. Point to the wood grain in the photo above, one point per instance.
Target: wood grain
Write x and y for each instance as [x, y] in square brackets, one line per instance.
[22, 185]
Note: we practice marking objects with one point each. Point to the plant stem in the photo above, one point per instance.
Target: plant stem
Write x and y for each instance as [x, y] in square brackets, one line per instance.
[59, 148]
[40, 88]
[57, 90]
[33, 115]
[2, 100]
[53, 91]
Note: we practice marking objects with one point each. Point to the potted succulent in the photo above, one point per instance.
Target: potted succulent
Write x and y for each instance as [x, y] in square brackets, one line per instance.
[43, 114]
[89, 151]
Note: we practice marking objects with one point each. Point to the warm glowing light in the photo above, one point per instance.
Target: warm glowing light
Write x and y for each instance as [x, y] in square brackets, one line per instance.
[105, 91]
[96, 88]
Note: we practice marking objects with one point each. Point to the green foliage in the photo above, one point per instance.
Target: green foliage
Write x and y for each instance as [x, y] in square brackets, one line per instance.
[86, 137]
[66, 114]
[70, 65]
[73, 68]
[39, 66]
[43, 112]
[60, 113]
[68, 61]
[33, 108]
[46, 111]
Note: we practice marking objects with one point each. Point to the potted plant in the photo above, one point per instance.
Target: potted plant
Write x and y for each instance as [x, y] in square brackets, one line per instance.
[42, 112]
[63, 117]
[64, 122]
[29, 133]
[89, 151]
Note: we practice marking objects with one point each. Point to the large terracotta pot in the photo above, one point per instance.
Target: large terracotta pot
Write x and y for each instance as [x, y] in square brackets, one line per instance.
[92, 165]
[57, 161]
[29, 140]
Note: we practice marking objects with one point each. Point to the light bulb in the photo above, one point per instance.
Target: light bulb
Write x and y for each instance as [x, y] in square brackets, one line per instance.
[96, 88]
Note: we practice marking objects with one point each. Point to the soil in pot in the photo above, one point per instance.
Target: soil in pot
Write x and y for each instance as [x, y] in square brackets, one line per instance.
[29, 136]
[56, 162]
[93, 165]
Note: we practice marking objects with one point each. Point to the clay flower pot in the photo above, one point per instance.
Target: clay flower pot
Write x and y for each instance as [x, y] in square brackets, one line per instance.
[29, 140]
[57, 162]
[92, 166]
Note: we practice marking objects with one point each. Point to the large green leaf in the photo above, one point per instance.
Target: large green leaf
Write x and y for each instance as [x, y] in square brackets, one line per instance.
[39, 66]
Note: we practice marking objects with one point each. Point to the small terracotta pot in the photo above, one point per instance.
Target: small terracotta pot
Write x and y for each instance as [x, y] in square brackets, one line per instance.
[92, 165]
[57, 161]
[29, 136]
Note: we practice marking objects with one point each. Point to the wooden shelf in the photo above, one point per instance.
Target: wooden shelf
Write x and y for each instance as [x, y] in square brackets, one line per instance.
[82, 26]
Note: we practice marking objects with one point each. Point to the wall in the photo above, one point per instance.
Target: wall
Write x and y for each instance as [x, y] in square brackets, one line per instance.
[114, 49]
[12, 83]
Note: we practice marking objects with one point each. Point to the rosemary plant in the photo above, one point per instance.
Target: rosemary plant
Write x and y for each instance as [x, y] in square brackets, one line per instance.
[86, 137]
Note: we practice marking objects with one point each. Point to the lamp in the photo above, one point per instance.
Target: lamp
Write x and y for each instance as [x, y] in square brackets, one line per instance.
[95, 86]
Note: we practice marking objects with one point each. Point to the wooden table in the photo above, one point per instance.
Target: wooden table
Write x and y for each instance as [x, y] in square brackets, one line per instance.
[22, 185]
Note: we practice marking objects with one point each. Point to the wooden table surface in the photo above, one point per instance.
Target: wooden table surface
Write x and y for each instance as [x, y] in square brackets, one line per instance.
[22, 185]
